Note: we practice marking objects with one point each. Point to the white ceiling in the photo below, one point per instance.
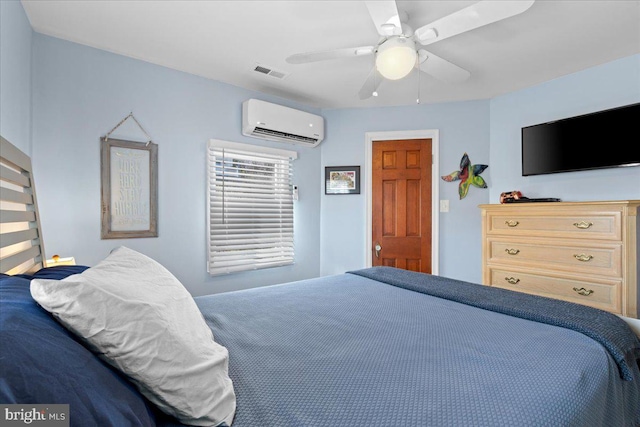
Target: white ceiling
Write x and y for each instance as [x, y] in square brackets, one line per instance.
[225, 40]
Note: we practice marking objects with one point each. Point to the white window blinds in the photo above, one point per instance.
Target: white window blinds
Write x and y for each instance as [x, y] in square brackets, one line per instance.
[250, 207]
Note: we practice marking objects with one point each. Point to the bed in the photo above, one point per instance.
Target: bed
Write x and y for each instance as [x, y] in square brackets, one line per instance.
[372, 347]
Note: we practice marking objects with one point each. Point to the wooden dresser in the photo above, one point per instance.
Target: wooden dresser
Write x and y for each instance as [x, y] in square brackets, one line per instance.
[584, 252]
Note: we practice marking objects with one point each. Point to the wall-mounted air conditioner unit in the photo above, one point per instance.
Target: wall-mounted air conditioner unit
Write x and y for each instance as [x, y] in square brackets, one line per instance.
[274, 122]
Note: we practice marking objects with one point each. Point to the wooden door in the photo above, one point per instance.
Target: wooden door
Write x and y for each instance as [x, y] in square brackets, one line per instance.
[401, 196]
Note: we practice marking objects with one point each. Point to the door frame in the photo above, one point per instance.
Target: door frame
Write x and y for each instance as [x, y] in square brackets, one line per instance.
[432, 134]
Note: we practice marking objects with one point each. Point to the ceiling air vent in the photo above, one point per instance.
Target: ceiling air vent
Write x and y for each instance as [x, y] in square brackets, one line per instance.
[268, 71]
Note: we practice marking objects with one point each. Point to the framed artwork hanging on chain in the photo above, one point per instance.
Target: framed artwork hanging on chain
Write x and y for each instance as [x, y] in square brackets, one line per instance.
[129, 176]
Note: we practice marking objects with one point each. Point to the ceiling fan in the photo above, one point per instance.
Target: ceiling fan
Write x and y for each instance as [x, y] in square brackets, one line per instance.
[399, 49]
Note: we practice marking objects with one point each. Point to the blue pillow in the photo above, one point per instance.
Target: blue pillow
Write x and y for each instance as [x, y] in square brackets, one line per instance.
[41, 362]
[57, 272]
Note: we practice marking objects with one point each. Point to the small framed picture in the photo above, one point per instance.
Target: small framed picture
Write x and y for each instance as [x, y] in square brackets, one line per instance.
[342, 180]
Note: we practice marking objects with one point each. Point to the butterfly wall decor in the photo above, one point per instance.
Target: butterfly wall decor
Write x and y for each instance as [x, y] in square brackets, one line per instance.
[467, 175]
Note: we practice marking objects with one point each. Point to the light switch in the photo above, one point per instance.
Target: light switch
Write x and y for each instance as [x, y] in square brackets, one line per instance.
[444, 206]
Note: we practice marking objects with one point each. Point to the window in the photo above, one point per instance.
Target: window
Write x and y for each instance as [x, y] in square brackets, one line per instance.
[250, 207]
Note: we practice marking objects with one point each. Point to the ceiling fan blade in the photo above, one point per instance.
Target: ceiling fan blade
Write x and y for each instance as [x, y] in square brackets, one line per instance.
[303, 58]
[469, 18]
[370, 84]
[441, 69]
[385, 17]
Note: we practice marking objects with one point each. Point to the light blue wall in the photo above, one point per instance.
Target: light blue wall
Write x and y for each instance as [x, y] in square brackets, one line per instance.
[15, 75]
[463, 127]
[65, 96]
[610, 85]
[80, 93]
[489, 131]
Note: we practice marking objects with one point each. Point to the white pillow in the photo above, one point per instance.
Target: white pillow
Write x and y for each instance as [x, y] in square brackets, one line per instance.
[135, 315]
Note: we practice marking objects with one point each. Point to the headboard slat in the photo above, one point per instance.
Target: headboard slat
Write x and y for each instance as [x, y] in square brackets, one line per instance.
[9, 175]
[15, 237]
[15, 196]
[16, 216]
[13, 155]
[13, 261]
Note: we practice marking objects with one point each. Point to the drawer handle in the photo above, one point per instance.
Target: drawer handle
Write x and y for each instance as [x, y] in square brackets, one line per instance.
[512, 280]
[583, 291]
[512, 223]
[512, 251]
[583, 257]
[583, 225]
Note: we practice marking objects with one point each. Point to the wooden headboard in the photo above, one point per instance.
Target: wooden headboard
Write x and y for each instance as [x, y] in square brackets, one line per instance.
[21, 245]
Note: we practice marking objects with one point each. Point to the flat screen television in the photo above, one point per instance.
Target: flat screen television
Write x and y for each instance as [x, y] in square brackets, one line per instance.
[604, 139]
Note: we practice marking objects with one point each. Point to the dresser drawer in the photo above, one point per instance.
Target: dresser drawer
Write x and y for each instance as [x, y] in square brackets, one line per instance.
[579, 257]
[603, 294]
[574, 225]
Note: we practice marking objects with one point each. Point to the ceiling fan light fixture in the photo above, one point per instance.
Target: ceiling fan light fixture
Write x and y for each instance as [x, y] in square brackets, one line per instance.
[396, 58]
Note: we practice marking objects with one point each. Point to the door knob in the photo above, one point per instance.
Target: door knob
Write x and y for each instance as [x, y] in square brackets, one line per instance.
[378, 248]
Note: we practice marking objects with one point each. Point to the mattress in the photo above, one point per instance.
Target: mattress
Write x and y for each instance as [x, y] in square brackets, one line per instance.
[352, 350]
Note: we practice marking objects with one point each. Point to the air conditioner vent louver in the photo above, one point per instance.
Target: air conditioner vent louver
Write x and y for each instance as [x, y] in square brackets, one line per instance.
[283, 135]
[264, 120]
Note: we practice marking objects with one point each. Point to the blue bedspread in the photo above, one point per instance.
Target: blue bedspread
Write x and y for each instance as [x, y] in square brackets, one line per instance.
[604, 327]
[348, 350]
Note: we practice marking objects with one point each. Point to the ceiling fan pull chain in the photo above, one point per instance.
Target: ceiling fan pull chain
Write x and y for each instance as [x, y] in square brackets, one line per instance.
[418, 69]
[375, 74]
